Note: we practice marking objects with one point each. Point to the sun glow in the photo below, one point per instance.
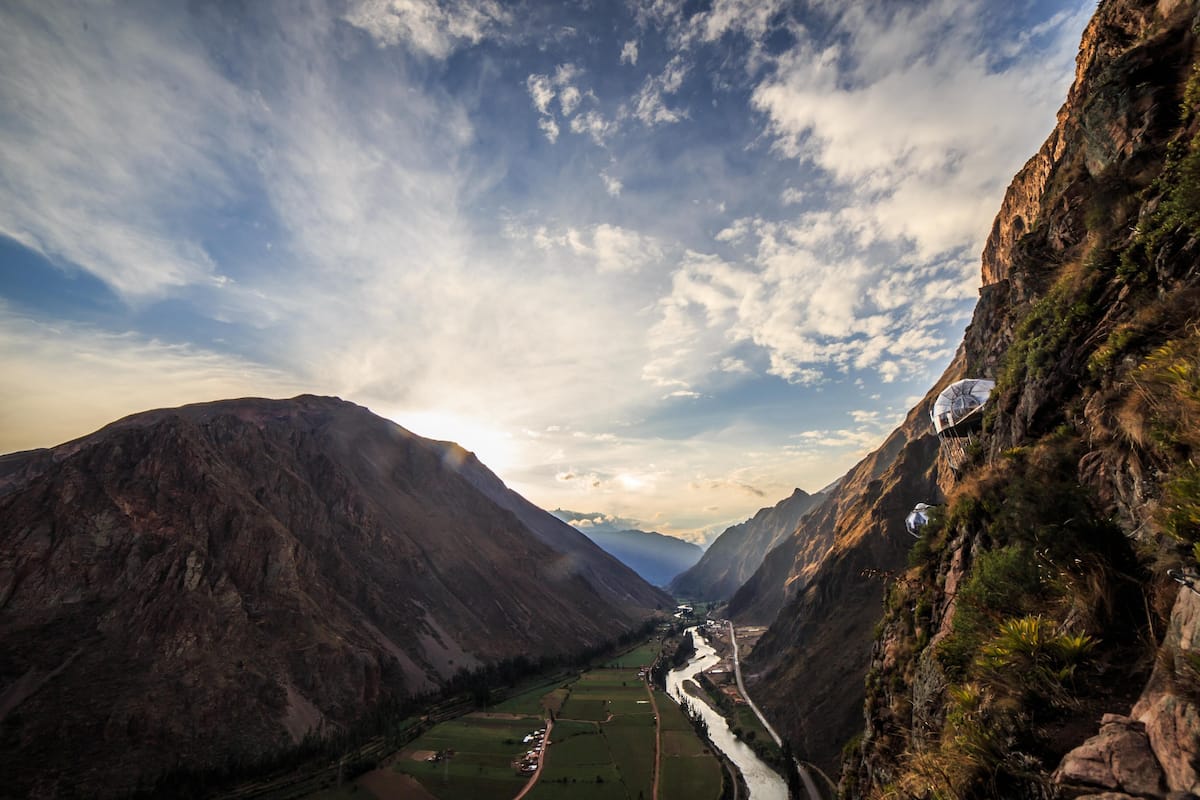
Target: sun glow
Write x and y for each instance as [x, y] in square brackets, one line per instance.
[497, 449]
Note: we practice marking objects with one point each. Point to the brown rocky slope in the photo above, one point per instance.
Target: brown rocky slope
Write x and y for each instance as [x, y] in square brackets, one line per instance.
[1038, 605]
[195, 586]
[735, 555]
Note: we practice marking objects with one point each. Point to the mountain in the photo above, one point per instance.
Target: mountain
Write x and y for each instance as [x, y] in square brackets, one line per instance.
[820, 590]
[734, 555]
[656, 557]
[196, 587]
[1032, 643]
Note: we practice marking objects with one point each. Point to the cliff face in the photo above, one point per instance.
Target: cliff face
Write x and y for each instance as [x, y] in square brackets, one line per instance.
[199, 586]
[1035, 646]
[738, 552]
[1030, 644]
[807, 670]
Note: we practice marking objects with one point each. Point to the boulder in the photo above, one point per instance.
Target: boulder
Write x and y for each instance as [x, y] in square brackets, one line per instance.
[1118, 759]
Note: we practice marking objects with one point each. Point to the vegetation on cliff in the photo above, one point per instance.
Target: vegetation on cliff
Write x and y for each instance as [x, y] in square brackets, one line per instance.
[1037, 599]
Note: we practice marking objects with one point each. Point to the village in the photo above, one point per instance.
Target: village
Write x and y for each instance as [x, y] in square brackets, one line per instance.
[528, 762]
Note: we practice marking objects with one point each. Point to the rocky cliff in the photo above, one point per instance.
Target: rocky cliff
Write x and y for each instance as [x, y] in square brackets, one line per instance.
[1031, 643]
[199, 586]
[826, 582]
[735, 555]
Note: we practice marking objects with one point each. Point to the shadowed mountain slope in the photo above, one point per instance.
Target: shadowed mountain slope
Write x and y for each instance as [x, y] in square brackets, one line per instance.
[198, 586]
[656, 557]
[734, 556]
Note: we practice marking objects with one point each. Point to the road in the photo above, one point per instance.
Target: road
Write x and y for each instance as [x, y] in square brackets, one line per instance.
[657, 740]
[809, 786]
[541, 761]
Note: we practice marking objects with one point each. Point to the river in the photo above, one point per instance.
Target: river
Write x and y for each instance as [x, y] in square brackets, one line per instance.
[764, 783]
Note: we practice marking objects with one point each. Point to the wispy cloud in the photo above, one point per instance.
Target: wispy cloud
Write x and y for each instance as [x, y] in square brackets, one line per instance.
[907, 110]
[93, 168]
[365, 195]
[629, 52]
[432, 27]
[118, 373]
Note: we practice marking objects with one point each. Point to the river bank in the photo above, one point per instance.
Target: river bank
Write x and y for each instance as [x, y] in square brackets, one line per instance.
[762, 782]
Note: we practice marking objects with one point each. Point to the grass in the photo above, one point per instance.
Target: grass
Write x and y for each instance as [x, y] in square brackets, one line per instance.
[642, 656]
[691, 778]
[589, 758]
[670, 714]
[532, 702]
[481, 766]
[631, 742]
[579, 764]
[588, 708]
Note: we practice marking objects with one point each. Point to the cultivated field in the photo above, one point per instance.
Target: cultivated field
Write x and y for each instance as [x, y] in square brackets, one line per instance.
[689, 769]
[602, 746]
[604, 739]
[483, 747]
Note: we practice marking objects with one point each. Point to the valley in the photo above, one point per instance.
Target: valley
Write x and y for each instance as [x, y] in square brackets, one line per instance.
[669, 292]
[604, 733]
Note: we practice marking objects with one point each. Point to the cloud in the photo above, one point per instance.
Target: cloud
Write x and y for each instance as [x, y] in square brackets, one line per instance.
[649, 105]
[548, 126]
[429, 27]
[568, 100]
[629, 52]
[117, 373]
[611, 248]
[810, 297]
[734, 365]
[750, 17]
[541, 91]
[792, 196]
[594, 124]
[612, 185]
[93, 170]
[544, 88]
[911, 113]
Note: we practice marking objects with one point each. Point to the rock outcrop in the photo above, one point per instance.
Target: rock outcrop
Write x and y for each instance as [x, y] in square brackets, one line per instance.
[198, 587]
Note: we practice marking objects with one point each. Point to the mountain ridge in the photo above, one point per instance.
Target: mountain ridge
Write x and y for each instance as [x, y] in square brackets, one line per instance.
[235, 575]
[734, 556]
[655, 556]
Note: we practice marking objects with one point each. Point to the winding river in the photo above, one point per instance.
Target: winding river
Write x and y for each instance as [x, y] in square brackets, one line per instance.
[764, 783]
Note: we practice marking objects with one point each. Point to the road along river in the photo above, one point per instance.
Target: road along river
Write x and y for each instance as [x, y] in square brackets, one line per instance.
[764, 783]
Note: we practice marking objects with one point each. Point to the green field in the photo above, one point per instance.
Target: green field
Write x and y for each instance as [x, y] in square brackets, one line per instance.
[638, 657]
[631, 742]
[748, 721]
[694, 778]
[602, 745]
[689, 770]
[481, 767]
[530, 702]
[672, 715]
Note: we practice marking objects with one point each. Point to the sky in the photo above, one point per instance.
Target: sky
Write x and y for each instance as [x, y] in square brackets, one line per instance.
[660, 261]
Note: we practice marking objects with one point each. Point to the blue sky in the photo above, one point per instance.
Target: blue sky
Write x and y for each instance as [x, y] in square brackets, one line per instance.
[665, 261]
